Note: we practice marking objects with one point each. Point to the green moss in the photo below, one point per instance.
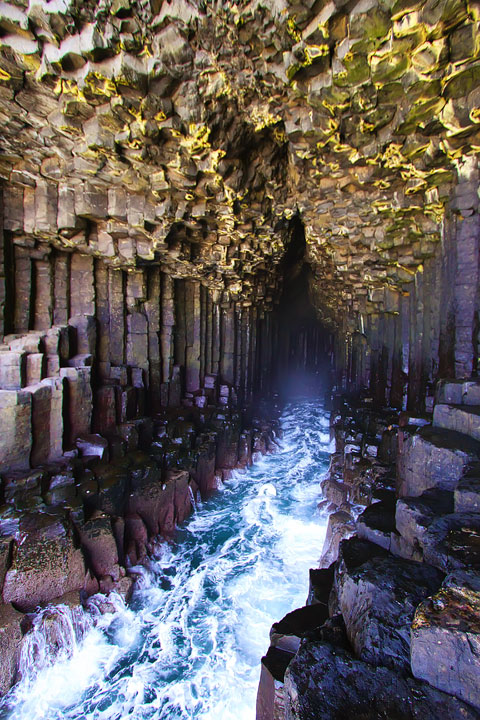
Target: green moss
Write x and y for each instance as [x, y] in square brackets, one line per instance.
[389, 67]
[462, 83]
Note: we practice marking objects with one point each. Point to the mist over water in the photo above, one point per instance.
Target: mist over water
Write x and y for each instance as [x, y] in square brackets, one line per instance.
[189, 645]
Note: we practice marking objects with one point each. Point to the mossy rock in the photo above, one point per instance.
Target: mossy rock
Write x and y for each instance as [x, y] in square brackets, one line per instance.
[389, 67]
[423, 90]
[381, 116]
[444, 14]
[357, 71]
[464, 43]
[373, 25]
[391, 93]
[463, 82]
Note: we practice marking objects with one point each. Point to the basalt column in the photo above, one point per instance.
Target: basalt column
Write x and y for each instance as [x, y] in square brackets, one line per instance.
[96, 349]
[427, 331]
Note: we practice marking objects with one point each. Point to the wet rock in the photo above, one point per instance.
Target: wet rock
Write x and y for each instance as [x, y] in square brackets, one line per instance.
[45, 562]
[377, 522]
[320, 585]
[10, 640]
[335, 492]
[6, 547]
[270, 699]
[204, 471]
[341, 525]
[111, 497]
[445, 642]
[377, 599]
[136, 539]
[328, 679]
[433, 457]
[93, 445]
[227, 444]
[152, 498]
[185, 494]
[99, 546]
[287, 633]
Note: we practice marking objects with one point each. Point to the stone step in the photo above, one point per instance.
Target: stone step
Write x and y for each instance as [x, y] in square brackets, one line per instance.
[433, 457]
[458, 392]
[429, 531]
[444, 639]
[464, 419]
[377, 599]
[377, 522]
[286, 634]
[467, 492]
[329, 682]
[413, 517]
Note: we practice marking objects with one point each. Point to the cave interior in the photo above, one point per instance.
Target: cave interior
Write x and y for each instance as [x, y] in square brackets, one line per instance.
[207, 209]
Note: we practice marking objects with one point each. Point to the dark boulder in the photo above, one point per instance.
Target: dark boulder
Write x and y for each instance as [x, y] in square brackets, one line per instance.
[324, 682]
[377, 600]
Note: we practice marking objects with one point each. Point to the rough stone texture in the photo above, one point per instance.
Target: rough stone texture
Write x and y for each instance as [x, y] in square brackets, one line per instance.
[186, 137]
[376, 523]
[16, 435]
[329, 680]
[377, 599]
[10, 639]
[462, 419]
[98, 543]
[45, 563]
[413, 517]
[433, 458]
[445, 644]
[167, 170]
[467, 492]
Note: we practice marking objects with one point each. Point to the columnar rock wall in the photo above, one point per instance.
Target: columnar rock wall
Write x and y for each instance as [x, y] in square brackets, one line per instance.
[390, 626]
[91, 348]
[188, 134]
[407, 340]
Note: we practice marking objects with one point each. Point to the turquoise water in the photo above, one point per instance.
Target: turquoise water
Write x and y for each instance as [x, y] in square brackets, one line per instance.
[189, 645]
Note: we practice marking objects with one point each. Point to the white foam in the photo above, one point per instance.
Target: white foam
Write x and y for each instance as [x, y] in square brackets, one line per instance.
[192, 648]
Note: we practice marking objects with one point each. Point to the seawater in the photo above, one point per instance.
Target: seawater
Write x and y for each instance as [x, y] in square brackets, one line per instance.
[190, 642]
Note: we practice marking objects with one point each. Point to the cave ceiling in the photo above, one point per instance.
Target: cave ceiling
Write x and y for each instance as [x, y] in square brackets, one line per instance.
[189, 134]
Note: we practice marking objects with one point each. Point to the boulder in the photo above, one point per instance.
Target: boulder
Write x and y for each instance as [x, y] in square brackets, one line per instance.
[462, 419]
[10, 640]
[433, 458]
[99, 545]
[377, 599]
[45, 562]
[445, 642]
[327, 682]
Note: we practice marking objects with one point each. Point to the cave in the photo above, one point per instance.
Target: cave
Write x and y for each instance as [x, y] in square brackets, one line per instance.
[239, 359]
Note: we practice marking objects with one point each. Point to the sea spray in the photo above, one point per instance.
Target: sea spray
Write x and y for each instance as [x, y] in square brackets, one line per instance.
[189, 645]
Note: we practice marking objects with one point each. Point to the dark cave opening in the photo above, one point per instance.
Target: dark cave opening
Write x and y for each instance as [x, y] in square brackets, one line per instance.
[304, 342]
